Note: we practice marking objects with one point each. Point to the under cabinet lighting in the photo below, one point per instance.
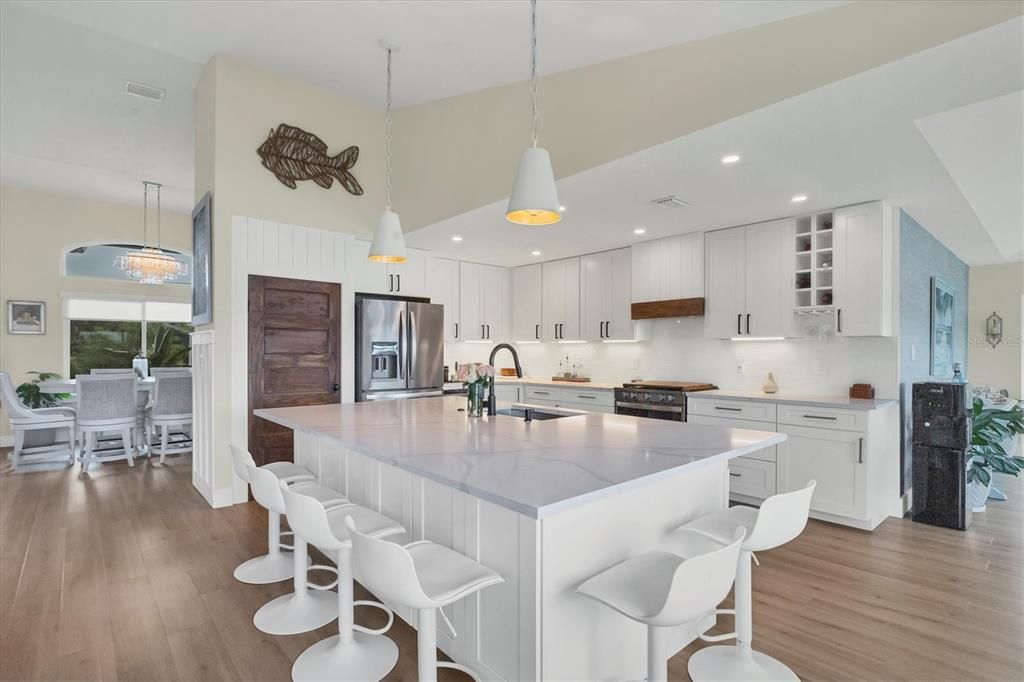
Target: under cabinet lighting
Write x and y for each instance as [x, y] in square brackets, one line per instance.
[479, 341]
[570, 341]
[620, 341]
[758, 338]
[522, 343]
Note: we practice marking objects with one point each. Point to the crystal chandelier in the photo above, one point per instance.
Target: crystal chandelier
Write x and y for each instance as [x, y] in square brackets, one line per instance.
[150, 265]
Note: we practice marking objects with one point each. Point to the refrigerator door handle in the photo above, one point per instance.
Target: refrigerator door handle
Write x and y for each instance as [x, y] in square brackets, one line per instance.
[401, 347]
[412, 339]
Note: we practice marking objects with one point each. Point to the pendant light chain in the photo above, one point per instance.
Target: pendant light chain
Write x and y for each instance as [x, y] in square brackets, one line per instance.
[533, 65]
[387, 137]
[145, 214]
[158, 235]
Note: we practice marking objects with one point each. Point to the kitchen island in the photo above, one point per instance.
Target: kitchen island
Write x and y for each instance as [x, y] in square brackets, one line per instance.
[546, 504]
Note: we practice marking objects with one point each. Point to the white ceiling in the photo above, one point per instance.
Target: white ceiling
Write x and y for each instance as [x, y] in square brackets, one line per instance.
[851, 141]
[448, 47]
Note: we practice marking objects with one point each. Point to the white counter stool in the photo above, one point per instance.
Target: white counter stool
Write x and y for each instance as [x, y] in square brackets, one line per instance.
[665, 589]
[35, 430]
[421, 575]
[171, 407]
[356, 652]
[780, 519]
[275, 565]
[307, 607]
[107, 402]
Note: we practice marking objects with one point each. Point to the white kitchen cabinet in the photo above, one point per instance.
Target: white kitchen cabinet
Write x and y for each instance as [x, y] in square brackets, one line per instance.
[668, 269]
[864, 270]
[605, 301]
[835, 459]
[443, 278]
[471, 328]
[398, 279]
[507, 393]
[748, 271]
[586, 399]
[561, 301]
[483, 302]
[527, 302]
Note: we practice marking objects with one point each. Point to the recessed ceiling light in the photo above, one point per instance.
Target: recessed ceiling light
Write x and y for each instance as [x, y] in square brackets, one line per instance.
[730, 158]
[640, 230]
[535, 253]
[798, 198]
[456, 238]
[562, 209]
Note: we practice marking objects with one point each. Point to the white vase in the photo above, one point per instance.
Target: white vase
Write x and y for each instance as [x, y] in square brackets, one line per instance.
[977, 494]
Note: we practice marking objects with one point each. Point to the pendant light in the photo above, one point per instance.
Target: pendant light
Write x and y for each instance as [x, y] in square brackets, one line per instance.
[150, 265]
[534, 199]
[388, 243]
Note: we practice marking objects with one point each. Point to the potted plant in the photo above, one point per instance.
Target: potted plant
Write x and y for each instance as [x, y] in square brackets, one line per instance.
[476, 377]
[990, 431]
[34, 398]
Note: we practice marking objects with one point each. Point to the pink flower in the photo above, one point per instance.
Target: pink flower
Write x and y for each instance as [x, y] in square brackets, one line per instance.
[471, 373]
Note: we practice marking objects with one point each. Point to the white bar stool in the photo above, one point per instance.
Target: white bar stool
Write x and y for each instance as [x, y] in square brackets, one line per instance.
[356, 652]
[780, 519]
[308, 606]
[275, 565]
[664, 589]
[424, 576]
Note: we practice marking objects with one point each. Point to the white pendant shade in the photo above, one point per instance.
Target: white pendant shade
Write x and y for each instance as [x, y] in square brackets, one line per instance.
[534, 199]
[388, 242]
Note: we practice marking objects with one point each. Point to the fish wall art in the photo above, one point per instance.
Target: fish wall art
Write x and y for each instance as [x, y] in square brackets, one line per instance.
[292, 154]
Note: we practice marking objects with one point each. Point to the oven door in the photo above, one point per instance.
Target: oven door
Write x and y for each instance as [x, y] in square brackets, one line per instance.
[675, 413]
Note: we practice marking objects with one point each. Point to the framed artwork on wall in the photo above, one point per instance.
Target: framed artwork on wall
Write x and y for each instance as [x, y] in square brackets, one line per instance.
[943, 306]
[202, 263]
[26, 317]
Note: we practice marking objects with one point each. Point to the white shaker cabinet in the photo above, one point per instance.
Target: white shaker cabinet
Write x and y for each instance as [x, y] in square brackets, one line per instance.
[484, 303]
[833, 458]
[605, 301]
[398, 279]
[864, 270]
[443, 277]
[561, 304]
[725, 268]
[527, 302]
[471, 328]
[668, 269]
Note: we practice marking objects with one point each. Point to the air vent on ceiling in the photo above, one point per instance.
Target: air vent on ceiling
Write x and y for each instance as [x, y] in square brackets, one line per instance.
[144, 91]
[671, 201]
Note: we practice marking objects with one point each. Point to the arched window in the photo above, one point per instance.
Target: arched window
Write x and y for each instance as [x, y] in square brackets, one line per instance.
[98, 261]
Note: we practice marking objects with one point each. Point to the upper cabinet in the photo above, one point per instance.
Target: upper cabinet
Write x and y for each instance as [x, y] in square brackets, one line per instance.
[527, 302]
[484, 302]
[668, 269]
[443, 279]
[864, 262]
[748, 273]
[605, 285]
[561, 300]
[398, 279]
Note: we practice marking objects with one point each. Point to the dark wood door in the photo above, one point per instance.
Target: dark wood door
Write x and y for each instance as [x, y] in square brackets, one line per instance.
[294, 355]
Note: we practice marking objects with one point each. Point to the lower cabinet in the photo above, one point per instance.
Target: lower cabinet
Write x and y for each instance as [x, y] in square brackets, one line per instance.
[508, 393]
[587, 399]
[752, 477]
[835, 459]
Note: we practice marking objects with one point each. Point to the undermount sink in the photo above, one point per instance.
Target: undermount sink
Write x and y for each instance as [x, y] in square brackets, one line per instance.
[538, 413]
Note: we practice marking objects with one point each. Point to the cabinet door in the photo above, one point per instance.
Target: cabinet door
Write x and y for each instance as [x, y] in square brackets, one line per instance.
[860, 275]
[769, 308]
[643, 272]
[595, 278]
[527, 302]
[470, 280]
[553, 308]
[724, 268]
[494, 302]
[571, 299]
[835, 459]
[364, 276]
[410, 277]
[443, 276]
[619, 323]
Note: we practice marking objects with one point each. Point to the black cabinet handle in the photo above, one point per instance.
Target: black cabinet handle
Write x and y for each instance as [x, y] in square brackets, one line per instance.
[839, 320]
[739, 322]
[398, 278]
[748, 323]
[483, 332]
[729, 409]
[537, 331]
[818, 416]
[608, 329]
[391, 283]
[860, 451]
[488, 331]
[456, 330]
[734, 475]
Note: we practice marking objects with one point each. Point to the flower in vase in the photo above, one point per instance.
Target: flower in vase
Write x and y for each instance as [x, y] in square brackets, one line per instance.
[474, 372]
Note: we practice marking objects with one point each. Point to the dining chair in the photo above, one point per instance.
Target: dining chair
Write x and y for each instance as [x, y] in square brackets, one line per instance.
[106, 404]
[171, 407]
[36, 431]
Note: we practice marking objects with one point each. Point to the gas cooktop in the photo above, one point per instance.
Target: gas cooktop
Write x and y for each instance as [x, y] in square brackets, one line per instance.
[656, 385]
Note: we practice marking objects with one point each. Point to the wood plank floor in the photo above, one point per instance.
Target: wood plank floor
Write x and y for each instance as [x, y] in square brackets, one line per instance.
[126, 574]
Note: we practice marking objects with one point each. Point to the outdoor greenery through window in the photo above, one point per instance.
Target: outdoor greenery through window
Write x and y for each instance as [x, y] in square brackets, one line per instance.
[103, 344]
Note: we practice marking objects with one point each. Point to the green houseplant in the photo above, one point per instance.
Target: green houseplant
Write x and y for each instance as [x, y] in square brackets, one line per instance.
[991, 430]
[34, 397]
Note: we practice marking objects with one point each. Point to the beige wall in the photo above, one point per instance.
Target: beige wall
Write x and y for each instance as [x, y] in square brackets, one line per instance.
[999, 289]
[36, 229]
[237, 104]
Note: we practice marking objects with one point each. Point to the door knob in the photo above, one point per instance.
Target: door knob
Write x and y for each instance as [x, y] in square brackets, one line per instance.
[335, 387]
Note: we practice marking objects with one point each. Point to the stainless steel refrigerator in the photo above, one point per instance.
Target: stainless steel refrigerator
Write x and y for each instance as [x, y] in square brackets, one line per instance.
[399, 349]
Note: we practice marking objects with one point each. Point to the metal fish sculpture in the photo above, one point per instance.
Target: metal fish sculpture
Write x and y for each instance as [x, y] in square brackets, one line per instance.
[292, 154]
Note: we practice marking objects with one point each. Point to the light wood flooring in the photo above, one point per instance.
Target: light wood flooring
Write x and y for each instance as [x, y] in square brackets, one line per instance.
[126, 574]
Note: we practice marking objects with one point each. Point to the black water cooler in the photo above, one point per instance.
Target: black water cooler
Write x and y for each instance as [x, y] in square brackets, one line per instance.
[941, 442]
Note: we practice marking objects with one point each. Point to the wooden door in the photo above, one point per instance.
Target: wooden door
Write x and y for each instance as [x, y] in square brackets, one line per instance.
[294, 355]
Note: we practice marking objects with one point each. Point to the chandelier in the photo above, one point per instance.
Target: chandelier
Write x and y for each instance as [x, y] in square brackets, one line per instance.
[150, 265]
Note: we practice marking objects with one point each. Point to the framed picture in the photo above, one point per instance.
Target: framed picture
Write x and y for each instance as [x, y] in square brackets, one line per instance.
[26, 317]
[943, 306]
[202, 263]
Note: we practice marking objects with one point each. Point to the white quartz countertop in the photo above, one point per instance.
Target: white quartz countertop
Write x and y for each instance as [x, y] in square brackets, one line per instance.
[534, 468]
[600, 386]
[844, 402]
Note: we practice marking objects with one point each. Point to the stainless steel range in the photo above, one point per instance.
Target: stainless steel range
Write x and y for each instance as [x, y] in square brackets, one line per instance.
[664, 400]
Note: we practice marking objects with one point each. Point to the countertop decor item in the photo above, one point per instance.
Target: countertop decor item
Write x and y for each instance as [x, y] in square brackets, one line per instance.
[572, 379]
[476, 377]
[862, 391]
[994, 329]
[150, 265]
[770, 386]
[26, 317]
[291, 154]
[508, 371]
[388, 244]
[534, 199]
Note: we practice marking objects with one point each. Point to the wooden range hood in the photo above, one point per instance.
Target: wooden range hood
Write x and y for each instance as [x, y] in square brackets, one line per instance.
[676, 307]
